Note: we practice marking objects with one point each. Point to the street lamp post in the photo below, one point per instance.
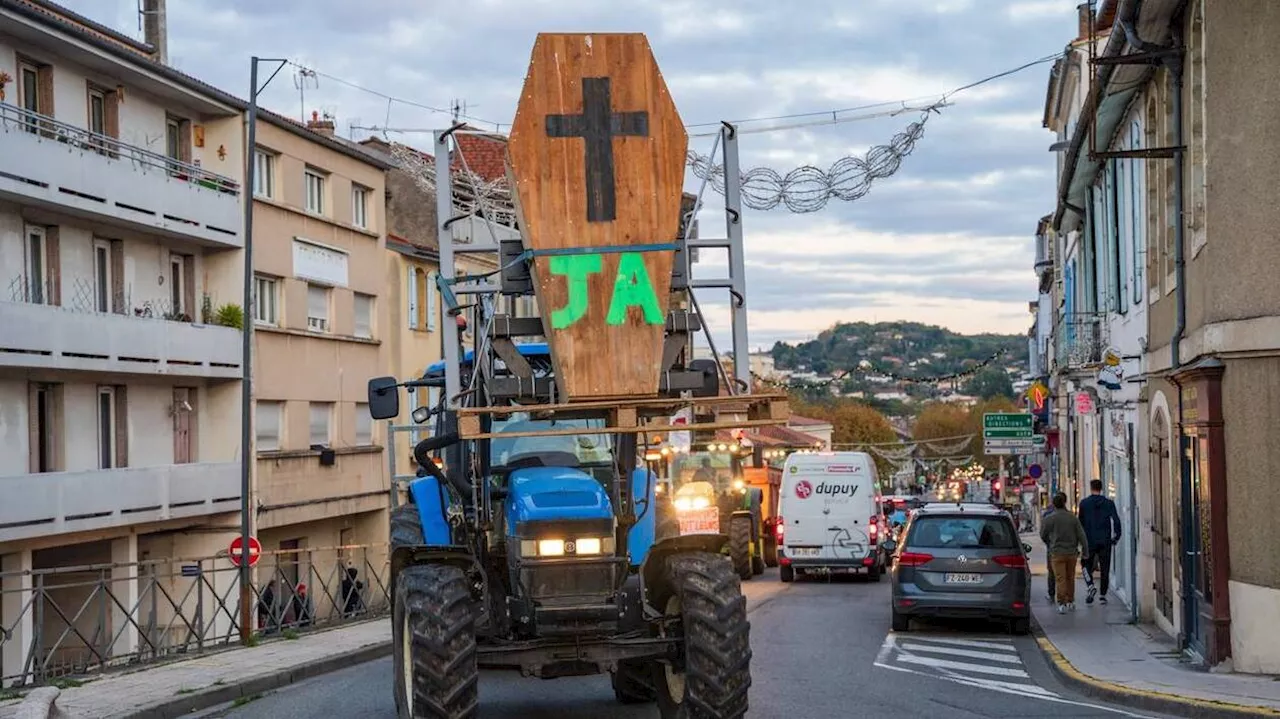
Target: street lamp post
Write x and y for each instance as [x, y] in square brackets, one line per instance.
[247, 457]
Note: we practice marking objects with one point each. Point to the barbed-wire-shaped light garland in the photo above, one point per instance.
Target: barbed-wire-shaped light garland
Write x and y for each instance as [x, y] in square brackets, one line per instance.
[472, 194]
[807, 188]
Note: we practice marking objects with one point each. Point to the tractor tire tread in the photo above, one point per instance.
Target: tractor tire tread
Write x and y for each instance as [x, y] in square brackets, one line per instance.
[406, 526]
[740, 546]
[442, 622]
[633, 683]
[717, 638]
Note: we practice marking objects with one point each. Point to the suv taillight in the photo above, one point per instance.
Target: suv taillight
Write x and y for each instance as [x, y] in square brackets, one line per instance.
[1011, 560]
[914, 559]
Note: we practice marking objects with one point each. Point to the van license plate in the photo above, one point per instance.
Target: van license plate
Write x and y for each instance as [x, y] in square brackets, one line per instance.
[803, 551]
[962, 578]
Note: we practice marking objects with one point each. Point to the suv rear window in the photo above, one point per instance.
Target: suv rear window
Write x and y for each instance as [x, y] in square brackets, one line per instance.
[958, 532]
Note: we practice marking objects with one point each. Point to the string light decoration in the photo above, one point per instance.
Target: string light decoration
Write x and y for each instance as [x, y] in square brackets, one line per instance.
[865, 367]
[808, 188]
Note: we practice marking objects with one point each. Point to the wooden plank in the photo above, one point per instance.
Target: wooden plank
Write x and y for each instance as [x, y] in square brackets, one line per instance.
[644, 404]
[649, 428]
[596, 155]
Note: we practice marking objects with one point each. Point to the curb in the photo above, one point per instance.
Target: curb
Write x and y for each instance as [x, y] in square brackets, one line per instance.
[40, 703]
[1143, 699]
[214, 696]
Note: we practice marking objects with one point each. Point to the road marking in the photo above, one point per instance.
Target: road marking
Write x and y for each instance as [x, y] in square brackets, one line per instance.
[968, 653]
[975, 643]
[961, 666]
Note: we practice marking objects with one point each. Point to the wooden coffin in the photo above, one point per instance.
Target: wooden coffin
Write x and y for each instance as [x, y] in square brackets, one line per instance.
[596, 157]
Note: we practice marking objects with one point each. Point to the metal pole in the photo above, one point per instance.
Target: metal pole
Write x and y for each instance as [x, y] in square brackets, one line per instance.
[444, 211]
[246, 364]
[737, 262]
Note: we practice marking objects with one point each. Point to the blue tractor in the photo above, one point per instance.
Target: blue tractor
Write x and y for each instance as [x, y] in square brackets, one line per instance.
[539, 550]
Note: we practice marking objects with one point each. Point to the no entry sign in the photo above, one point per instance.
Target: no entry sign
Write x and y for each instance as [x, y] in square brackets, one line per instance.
[237, 551]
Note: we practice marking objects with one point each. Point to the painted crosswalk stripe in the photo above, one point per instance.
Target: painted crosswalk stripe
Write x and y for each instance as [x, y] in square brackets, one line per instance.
[961, 666]
[966, 653]
[974, 643]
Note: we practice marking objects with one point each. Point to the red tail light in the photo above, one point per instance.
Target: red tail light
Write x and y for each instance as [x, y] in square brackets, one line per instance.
[873, 528]
[779, 530]
[914, 559]
[1011, 560]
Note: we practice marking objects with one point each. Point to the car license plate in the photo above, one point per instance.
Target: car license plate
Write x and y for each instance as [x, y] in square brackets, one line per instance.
[803, 551]
[962, 578]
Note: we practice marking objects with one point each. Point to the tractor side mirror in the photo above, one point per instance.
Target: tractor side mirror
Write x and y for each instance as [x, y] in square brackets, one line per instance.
[384, 398]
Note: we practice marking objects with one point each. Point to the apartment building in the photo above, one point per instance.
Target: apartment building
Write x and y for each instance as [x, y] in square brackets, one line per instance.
[1184, 385]
[120, 368]
[319, 336]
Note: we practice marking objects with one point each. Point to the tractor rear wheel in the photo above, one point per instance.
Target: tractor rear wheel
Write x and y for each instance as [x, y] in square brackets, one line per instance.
[436, 676]
[770, 551]
[633, 683]
[757, 558]
[712, 683]
[740, 546]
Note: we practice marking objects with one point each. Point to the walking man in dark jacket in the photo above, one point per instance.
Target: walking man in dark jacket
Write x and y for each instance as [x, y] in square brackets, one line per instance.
[1101, 524]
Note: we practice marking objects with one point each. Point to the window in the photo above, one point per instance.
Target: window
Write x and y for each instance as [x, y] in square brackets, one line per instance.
[430, 301]
[106, 427]
[103, 282]
[29, 88]
[1137, 217]
[962, 533]
[173, 131]
[422, 299]
[364, 425]
[412, 293]
[321, 415]
[45, 427]
[177, 284]
[364, 315]
[264, 174]
[37, 266]
[317, 308]
[264, 300]
[315, 191]
[360, 206]
[97, 111]
[177, 139]
[268, 419]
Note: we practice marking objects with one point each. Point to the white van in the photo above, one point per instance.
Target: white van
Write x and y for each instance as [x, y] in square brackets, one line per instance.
[829, 515]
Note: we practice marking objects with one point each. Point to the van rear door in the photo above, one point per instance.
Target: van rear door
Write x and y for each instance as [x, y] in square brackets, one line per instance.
[828, 507]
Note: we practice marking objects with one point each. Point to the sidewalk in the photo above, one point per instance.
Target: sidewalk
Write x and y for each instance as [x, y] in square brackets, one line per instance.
[1096, 651]
[164, 691]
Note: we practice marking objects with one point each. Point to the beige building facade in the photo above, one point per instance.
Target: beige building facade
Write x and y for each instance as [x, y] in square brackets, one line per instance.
[319, 335]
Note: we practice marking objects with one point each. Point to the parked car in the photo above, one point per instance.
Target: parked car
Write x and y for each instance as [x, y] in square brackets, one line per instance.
[961, 561]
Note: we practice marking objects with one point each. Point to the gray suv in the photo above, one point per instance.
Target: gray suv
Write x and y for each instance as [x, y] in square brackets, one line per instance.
[961, 561]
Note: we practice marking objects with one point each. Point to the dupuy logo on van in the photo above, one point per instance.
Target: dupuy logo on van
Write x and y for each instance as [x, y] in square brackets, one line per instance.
[803, 489]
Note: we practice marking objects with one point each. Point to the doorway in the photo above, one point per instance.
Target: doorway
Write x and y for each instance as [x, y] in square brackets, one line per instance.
[1161, 536]
[184, 409]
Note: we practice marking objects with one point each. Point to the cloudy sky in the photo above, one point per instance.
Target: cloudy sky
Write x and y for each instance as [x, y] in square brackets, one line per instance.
[946, 240]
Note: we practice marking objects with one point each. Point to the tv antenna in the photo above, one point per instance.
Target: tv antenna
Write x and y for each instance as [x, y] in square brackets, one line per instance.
[304, 77]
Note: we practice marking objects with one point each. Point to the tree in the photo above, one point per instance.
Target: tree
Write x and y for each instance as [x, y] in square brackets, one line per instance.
[852, 423]
[990, 382]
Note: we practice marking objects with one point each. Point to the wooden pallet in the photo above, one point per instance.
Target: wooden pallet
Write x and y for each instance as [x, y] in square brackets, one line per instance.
[648, 415]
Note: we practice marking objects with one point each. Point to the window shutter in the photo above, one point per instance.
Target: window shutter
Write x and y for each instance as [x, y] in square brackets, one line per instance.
[432, 294]
[413, 298]
[53, 265]
[33, 428]
[122, 426]
[118, 300]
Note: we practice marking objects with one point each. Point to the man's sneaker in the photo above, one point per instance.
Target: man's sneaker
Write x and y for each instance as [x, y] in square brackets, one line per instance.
[1093, 592]
[1071, 606]
[1062, 609]
[1102, 599]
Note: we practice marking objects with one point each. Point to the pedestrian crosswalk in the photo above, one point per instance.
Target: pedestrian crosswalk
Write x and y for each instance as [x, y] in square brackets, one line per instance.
[986, 662]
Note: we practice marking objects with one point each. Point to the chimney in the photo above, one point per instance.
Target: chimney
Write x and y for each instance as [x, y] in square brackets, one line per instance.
[1085, 12]
[321, 125]
[156, 29]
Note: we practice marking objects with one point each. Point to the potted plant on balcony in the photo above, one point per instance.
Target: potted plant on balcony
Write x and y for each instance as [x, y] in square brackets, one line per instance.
[5, 79]
[229, 315]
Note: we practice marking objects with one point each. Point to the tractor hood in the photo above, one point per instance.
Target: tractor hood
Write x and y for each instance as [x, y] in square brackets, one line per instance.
[554, 494]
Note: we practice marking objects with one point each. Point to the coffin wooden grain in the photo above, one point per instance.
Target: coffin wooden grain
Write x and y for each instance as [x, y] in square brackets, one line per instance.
[596, 156]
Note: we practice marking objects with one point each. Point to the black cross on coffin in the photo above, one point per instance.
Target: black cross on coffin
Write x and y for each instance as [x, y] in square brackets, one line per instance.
[598, 125]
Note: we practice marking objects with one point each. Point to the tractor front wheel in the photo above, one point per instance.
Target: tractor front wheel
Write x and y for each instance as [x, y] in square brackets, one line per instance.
[706, 601]
[740, 546]
[433, 626]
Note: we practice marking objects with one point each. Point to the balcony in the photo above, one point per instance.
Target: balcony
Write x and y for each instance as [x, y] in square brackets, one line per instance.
[82, 173]
[60, 502]
[1079, 340]
[76, 337]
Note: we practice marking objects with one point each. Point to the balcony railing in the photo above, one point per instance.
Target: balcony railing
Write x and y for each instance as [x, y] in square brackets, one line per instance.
[60, 165]
[1079, 339]
[112, 332]
[13, 117]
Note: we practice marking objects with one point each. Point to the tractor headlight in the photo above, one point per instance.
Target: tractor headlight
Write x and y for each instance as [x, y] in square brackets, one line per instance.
[551, 548]
[684, 503]
[580, 546]
[588, 545]
[739, 484]
[701, 503]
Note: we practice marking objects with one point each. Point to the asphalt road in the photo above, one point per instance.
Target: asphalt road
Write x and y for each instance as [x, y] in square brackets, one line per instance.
[820, 650]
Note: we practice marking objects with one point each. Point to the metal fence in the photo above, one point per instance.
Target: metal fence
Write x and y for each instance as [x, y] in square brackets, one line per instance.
[69, 621]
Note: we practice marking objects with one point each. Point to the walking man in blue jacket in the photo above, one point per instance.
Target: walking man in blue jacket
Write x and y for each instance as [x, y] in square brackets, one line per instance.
[1101, 524]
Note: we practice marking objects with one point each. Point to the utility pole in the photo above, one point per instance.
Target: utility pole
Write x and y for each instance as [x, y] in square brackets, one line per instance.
[247, 455]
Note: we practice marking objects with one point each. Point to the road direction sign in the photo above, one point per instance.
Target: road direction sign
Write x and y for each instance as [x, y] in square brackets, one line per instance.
[237, 550]
[1007, 425]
